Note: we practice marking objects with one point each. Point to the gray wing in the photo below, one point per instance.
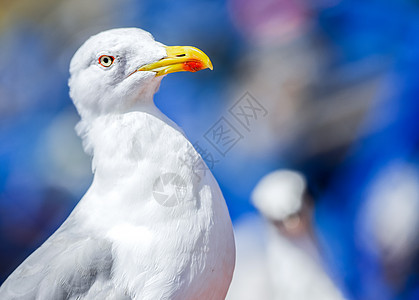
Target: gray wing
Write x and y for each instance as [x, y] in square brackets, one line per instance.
[66, 266]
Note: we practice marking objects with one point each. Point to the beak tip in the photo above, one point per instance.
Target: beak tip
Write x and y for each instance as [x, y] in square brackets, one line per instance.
[208, 64]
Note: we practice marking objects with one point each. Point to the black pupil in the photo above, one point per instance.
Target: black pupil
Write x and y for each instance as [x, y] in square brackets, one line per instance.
[105, 60]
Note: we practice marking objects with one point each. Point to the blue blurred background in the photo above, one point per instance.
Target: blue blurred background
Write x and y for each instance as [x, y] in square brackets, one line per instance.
[338, 80]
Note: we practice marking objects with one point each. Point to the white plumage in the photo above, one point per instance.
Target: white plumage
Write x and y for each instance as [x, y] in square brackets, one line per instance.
[287, 265]
[119, 242]
[279, 194]
[388, 222]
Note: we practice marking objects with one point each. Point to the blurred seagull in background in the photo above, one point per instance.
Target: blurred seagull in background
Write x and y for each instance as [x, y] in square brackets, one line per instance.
[387, 226]
[290, 259]
[125, 240]
[294, 265]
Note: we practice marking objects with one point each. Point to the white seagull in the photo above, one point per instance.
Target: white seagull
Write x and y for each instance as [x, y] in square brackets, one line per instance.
[287, 260]
[129, 237]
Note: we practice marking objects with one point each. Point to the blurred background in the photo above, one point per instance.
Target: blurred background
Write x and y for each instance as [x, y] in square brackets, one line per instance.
[325, 91]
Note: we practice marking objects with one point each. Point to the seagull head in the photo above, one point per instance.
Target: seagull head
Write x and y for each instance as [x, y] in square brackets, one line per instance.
[118, 70]
[279, 194]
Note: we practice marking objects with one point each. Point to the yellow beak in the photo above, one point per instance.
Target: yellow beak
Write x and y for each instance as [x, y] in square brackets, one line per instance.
[178, 59]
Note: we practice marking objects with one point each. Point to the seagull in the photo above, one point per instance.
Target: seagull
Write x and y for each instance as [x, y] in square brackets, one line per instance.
[287, 258]
[388, 222]
[148, 227]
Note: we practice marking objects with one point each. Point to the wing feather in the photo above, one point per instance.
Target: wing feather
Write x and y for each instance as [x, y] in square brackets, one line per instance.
[66, 266]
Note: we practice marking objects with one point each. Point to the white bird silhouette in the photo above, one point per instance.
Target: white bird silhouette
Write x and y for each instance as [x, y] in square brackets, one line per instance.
[280, 262]
[128, 237]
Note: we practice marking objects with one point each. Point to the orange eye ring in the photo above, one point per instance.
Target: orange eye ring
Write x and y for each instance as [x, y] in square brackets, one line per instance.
[106, 60]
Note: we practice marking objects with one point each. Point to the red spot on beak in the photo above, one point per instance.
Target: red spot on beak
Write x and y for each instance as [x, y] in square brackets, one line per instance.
[192, 66]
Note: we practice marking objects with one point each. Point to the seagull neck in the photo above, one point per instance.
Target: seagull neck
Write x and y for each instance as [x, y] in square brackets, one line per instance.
[149, 108]
[118, 133]
[127, 146]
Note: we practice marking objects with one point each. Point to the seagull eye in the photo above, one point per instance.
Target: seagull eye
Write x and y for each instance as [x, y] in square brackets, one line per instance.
[106, 60]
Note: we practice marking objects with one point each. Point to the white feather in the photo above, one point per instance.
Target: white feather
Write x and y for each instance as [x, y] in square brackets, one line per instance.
[152, 251]
[279, 194]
